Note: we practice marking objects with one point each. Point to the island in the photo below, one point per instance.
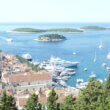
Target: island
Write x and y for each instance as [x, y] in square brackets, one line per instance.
[26, 30]
[93, 28]
[33, 30]
[51, 37]
[68, 30]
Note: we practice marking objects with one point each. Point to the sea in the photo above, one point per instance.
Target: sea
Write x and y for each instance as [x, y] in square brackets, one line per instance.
[85, 44]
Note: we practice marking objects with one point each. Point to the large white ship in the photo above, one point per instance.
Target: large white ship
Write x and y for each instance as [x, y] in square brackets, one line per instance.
[64, 63]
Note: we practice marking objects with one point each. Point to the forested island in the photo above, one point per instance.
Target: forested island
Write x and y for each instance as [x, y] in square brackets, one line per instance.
[69, 30]
[32, 30]
[26, 30]
[93, 28]
[51, 37]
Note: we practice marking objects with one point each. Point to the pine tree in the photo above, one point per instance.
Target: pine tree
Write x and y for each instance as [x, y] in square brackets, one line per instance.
[4, 101]
[51, 100]
[7, 102]
[69, 103]
[107, 84]
[11, 103]
[89, 96]
[32, 103]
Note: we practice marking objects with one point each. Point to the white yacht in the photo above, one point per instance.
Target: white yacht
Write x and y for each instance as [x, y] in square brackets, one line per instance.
[85, 69]
[74, 53]
[53, 68]
[95, 57]
[81, 85]
[108, 68]
[9, 40]
[100, 80]
[65, 77]
[100, 46]
[71, 73]
[58, 61]
[61, 82]
[108, 56]
[104, 64]
[80, 81]
[92, 76]
[27, 57]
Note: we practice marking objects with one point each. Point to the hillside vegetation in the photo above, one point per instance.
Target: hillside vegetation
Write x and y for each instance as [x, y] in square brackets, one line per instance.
[46, 30]
[93, 28]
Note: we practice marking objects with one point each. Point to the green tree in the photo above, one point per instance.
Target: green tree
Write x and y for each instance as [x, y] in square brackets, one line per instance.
[7, 102]
[32, 103]
[51, 100]
[107, 84]
[89, 96]
[4, 101]
[69, 103]
[43, 108]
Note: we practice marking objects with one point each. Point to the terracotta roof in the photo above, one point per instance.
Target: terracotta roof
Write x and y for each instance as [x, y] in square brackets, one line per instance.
[17, 74]
[41, 100]
[29, 78]
[7, 92]
[22, 101]
[60, 99]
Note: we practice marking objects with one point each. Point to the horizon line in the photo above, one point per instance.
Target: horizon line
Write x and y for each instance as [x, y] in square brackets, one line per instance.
[58, 22]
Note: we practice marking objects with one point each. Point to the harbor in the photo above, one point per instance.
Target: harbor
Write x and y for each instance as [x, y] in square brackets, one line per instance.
[61, 70]
[80, 47]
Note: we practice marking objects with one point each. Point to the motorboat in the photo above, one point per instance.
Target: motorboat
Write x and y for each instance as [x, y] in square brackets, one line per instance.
[92, 76]
[80, 81]
[85, 69]
[67, 71]
[9, 40]
[62, 83]
[108, 68]
[27, 57]
[53, 68]
[108, 56]
[74, 53]
[104, 64]
[81, 85]
[71, 73]
[100, 80]
[100, 46]
[65, 77]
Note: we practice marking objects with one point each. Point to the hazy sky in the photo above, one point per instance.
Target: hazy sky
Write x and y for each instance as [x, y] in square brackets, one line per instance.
[54, 10]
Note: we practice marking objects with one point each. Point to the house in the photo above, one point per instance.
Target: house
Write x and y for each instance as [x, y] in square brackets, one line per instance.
[30, 82]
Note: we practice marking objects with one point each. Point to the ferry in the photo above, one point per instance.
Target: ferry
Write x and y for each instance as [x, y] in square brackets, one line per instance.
[27, 57]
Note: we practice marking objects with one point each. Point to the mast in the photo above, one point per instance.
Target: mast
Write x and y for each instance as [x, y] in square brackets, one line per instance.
[95, 57]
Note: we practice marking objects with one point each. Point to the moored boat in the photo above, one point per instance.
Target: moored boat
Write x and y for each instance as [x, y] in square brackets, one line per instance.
[27, 57]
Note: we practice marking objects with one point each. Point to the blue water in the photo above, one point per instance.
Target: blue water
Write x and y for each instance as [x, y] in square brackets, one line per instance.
[85, 44]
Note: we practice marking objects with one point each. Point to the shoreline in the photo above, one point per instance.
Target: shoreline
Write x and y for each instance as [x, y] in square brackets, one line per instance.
[21, 32]
[40, 32]
[54, 40]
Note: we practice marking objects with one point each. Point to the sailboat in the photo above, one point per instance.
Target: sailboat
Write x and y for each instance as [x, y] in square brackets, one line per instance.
[108, 56]
[100, 46]
[95, 57]
[74, 53]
